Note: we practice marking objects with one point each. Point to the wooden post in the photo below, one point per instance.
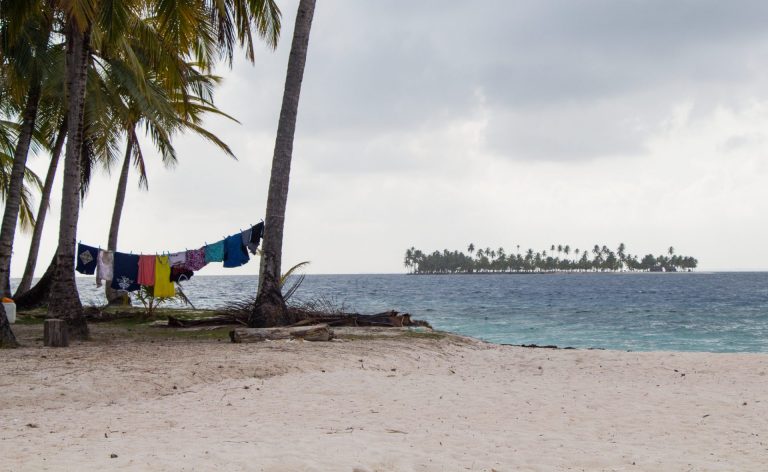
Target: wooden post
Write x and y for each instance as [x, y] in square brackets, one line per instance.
[55, 333]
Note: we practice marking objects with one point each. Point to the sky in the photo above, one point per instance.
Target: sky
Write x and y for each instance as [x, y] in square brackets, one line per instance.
[440, 123]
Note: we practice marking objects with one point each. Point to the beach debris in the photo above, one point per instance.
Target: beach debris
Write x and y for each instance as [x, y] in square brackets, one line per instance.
[320, 332]
[391, 319]
[387, 319]
[174, 322]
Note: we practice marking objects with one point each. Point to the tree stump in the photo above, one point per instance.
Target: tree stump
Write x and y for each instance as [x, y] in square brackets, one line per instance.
[55, 333]
[319, 332]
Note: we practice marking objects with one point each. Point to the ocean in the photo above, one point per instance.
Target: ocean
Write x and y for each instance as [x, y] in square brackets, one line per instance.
[714, 312]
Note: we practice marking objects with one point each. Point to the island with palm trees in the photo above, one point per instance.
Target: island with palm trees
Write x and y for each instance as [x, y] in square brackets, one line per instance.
[558, 258]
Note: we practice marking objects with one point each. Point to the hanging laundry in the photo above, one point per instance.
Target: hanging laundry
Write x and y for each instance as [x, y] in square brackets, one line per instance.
[126, 272]
[235, 254]
[163, 285]
[257, 232]
[214, 252]
[195, 259]
[87, 257]
[146, 271]
[177, 258]
[246, 235]
[104, 266]
[180, 274]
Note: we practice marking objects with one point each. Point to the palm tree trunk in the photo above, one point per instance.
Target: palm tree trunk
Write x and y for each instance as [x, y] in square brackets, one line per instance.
[37, 234]
[65, 301]
[40, 293]
[270, 309]
[7, 339]
[13, 201]
[117, 212]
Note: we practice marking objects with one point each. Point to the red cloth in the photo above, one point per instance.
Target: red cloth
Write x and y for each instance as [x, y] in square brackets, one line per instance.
[146, 271]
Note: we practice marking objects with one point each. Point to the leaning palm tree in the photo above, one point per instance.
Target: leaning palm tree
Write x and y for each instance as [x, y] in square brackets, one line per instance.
[270, 308]
[30, 184]
[42, 211]
[25, 29]
[53, 127]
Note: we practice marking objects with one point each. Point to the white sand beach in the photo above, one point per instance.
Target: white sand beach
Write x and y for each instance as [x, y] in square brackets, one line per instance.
[386, 404]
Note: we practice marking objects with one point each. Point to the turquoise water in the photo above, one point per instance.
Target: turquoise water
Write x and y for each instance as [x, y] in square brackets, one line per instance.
[716, 312]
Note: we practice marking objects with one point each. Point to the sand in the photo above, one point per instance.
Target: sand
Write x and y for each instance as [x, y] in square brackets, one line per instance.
[395, 403]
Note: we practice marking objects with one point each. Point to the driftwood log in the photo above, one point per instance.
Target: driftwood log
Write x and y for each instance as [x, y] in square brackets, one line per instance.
[319, 332]
[55, 333]
[385, 319]
[174, 322]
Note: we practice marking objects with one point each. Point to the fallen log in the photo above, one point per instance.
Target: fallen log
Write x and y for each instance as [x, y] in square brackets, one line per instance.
[386, 319]
[319, 332]
[174, 322]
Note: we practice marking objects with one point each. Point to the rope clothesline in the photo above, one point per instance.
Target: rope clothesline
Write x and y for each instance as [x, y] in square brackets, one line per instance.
[128, 272]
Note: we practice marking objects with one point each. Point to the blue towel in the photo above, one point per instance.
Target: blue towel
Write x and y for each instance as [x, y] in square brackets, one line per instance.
[235, 253]
[214, 252]
[87, 257]
[126, 272]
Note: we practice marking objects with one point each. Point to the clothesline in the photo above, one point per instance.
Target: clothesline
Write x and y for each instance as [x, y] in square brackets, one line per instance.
[128, 272]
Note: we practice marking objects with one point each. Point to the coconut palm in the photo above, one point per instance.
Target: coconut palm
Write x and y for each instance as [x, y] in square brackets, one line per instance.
[161, 113]
[42, 211]
[30, 185]
[203, 30]
[25, 31]
[270, 308]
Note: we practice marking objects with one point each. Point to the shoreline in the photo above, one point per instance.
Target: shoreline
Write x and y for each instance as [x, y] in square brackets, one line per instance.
[36, 316]
[374, 401]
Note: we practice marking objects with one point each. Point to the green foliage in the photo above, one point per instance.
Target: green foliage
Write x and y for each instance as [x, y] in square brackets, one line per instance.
[488, 260]
[146, 295]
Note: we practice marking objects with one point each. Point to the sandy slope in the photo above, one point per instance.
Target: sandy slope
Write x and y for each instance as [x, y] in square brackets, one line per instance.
[383, 404]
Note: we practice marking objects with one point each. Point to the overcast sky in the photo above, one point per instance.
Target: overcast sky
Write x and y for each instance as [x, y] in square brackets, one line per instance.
[502, 123]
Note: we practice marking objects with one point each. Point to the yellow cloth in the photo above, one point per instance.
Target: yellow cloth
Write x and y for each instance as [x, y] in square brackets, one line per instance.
[163, 285]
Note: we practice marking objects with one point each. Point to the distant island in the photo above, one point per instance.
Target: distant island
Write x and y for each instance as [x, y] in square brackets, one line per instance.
[560, 258]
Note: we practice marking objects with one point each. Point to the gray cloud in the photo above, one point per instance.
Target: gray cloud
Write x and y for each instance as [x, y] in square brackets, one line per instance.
[595, 78]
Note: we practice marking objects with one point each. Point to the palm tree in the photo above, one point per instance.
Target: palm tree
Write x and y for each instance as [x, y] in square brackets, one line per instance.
[65, 301]
[270, 306]
[23, 56]
[37, 233]
[621, 253]
[200, 29]
[409, 257]
[471, 248]
[161, 113]
[31, 183]
[671, 250]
